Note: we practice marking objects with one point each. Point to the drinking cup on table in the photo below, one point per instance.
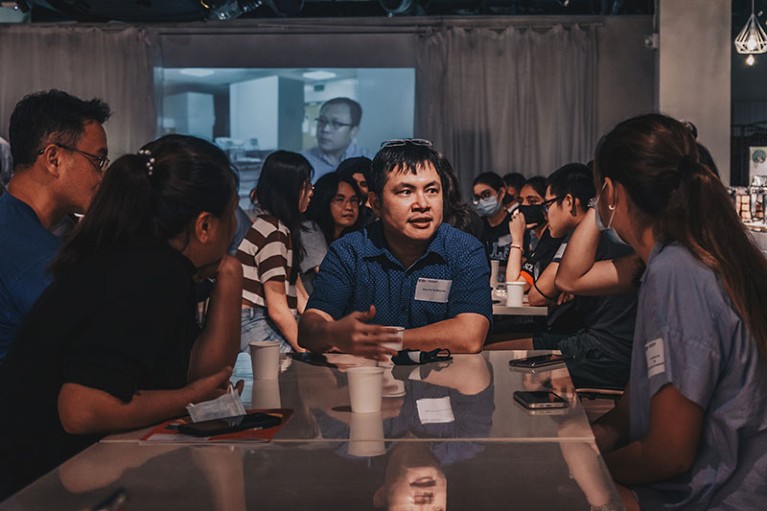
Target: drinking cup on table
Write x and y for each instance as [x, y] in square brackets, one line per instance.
[366, 436]
[365, 388]
[266, 394]
[265, 358]
[515, 292]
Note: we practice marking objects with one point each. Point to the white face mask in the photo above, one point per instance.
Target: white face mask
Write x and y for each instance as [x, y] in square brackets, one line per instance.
[601, 226]
[488, 207]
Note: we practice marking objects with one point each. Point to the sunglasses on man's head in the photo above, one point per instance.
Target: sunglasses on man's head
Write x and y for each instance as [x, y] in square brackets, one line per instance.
[399, 142]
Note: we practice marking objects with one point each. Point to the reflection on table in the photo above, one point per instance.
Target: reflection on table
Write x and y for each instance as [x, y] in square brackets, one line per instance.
[469, 397]
[321, 475]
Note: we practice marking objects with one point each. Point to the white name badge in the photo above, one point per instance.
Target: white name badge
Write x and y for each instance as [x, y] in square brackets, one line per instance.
[433, 290]
[435, 410]
[656, 357]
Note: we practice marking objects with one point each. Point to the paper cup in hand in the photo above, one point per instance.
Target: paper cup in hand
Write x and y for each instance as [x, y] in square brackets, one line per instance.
[395, 344]
[365, 388]
[515, 291]
[265, 358]
[366, 435]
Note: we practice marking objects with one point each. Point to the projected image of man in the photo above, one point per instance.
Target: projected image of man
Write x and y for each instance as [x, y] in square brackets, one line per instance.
[337, 127]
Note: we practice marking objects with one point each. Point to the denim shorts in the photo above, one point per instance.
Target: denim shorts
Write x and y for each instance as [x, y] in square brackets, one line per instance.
[255, 325]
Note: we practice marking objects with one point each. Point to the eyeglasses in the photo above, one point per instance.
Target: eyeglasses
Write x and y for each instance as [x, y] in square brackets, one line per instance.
[100, 162]
[547, 203]
[342, 201]
[334, 125]
[482, 196]
[399, 142]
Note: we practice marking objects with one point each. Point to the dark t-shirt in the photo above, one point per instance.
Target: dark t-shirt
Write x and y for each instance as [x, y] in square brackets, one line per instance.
[497, 240]
[544, 252]
[120, 322]
[610, 319]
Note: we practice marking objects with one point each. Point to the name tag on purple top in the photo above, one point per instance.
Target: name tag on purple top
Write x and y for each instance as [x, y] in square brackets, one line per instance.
[432, 290]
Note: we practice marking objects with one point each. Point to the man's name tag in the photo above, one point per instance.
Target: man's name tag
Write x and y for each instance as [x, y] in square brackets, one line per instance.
[656, 357]
[435, 410]
[433, 290]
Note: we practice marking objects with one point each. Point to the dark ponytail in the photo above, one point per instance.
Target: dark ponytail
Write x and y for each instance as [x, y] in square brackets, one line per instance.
[152, 197]
[656, 159]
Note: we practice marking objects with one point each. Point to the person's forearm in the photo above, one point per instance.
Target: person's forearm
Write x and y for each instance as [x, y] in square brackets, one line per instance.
[84, 410]
[514, 263]
[286, 323]
[580, 254]
[464, 333]
[312, 332]
[218, 344]
[640, 462]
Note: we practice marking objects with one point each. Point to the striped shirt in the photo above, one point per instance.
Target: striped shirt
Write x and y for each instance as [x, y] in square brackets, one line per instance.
[266, 254]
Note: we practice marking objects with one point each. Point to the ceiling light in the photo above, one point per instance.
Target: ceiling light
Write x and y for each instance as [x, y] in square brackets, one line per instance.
[751, 39]
[319, 75]
[196, 71]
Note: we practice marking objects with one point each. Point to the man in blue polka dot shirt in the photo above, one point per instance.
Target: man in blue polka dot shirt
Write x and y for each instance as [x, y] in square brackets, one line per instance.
[408, 269]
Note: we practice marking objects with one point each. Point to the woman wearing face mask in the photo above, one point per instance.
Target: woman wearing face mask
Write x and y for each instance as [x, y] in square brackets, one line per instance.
[691, 430]
[532, 247]
[489, 194]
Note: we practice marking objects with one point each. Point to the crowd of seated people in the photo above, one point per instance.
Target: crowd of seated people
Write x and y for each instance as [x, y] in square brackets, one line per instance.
[651, 281]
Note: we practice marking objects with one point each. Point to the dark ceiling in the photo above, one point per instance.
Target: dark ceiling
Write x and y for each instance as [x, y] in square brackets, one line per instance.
[194, 10]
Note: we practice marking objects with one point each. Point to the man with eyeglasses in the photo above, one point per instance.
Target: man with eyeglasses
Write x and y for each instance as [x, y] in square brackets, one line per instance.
[337, 126]
[59, 150]
[408, 270]
[596, 331]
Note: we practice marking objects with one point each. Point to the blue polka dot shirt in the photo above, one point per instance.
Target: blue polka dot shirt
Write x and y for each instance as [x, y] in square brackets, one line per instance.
[359, 270]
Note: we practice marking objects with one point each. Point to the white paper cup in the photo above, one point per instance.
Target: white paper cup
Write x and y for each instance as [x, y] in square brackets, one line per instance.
[266, 394]
[265, 358]
[399, 331]
[366, 434]
[494, 267]
[515, 291]
[365, 388]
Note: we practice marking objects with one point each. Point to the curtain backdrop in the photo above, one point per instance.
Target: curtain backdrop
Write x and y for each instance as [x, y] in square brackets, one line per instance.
[112, 63]
[508, 100]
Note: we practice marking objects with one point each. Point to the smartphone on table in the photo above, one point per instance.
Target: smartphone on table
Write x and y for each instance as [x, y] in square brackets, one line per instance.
[540, 361]
[539, 399]
[256, 420]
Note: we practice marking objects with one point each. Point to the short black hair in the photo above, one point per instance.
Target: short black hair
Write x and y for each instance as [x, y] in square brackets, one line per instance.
[490, 179]
[574, 178]
[514, 179]
[355, 110]
[402, 158]
[350, 166]
[50, 116]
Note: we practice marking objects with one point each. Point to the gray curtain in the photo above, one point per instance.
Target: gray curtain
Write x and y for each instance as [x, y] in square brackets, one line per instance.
[112, 63]
[517, 99]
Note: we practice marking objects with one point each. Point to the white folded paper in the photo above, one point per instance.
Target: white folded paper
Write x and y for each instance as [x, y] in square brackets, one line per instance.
[227, 405]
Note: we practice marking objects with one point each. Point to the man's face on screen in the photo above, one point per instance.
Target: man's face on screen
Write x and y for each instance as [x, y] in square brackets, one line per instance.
[334, 129]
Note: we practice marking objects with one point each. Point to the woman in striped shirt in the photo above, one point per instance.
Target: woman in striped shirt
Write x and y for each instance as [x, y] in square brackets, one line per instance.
[273, 295]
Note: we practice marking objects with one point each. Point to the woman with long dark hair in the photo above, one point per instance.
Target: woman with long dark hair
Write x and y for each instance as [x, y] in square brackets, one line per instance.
[335, 210]
[691, 431]
[273, 295]
[114, 343]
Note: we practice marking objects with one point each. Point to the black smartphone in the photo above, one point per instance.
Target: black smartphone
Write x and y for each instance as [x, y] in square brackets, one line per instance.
[539, 361]
[537, 399]
[256, 420]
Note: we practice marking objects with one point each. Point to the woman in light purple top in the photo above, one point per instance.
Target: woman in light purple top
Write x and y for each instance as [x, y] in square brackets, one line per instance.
[691, 430]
